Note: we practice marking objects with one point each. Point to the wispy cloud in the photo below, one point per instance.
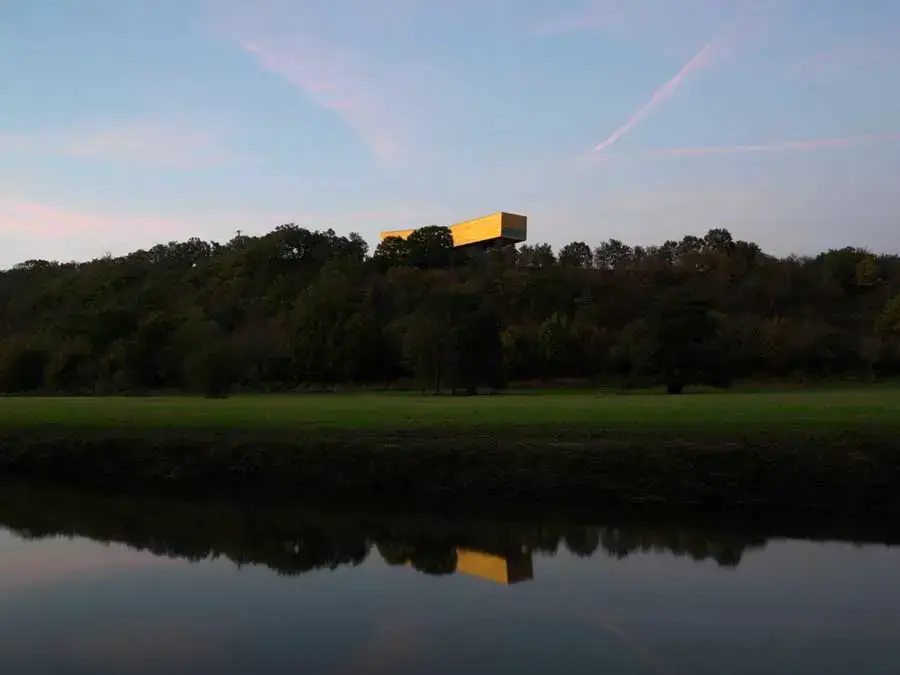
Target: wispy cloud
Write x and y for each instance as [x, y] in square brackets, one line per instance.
[779, 146]
[328, 79]
[140, 143]
[704, 58]
[326, 63]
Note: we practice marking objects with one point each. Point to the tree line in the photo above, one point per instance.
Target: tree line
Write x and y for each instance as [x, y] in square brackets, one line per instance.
[294, 541]
[297, 308]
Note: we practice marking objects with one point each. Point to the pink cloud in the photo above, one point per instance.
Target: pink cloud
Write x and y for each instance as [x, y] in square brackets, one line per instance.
[55, 232]
[34, 218]
[44, 221]
[704, 58]
[142, 143]
[45, 562]
[779, 146]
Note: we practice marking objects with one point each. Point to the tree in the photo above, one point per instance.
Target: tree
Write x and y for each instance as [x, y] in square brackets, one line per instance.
[680, 344]
[454, 339]
[867, 272]
[22, 365]
[718, 241]
[853, 269]
[556, 345]
[478, 348]
[888, 322]
[70, 367]
[392, 252]
[431, 247]
[209, 364]
[423, 556]
[209, 369]
[543, 256]
[576, 254]
[301, 307]
[582, 541]
[612, 254]
[427, 342]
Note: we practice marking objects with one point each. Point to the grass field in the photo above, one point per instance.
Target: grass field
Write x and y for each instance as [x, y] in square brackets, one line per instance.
[874, 409]
[834, 451]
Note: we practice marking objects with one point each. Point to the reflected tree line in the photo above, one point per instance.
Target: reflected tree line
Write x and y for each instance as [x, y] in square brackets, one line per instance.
[300, 308]
[294, 541]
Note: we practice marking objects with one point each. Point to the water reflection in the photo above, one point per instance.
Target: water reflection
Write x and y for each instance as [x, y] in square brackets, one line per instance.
[153, 585]
[294, 541]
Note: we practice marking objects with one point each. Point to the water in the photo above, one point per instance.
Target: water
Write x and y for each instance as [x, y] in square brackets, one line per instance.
[106, 585]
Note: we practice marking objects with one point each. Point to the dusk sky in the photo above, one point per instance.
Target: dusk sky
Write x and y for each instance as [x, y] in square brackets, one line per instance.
[124, 123]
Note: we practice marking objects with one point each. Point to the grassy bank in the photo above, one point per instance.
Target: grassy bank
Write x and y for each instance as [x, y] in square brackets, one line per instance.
[869, 409]
[829, 451]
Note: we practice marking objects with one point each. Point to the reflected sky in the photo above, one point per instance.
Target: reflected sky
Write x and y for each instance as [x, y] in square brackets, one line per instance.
[72, 605]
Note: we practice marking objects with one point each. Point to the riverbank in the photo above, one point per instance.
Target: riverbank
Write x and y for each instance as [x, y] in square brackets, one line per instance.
[829, 452]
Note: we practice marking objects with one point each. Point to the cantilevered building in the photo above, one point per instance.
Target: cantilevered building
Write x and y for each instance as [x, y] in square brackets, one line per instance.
[510, 567]
[507, 567]
[481, 234]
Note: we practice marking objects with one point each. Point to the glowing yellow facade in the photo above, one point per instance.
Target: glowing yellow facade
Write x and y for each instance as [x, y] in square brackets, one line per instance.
[509, 569]
[497, 228]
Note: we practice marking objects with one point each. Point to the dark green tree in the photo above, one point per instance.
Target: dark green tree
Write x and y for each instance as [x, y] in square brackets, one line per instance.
[888, 322]
[681, 343]
[576, 254]
[392, 252]
[297, 307]
[431, 247]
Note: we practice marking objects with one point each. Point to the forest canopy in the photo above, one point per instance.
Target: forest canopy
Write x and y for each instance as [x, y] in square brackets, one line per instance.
[300, 308]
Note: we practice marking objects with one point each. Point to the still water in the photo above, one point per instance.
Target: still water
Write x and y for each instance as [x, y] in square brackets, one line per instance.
[94, 584]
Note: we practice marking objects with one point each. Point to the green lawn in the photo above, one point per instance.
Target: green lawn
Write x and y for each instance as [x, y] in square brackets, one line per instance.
[875, 409]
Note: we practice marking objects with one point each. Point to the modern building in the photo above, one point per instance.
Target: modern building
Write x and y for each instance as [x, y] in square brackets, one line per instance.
[480, 234]
[511, 567]
[507, 566]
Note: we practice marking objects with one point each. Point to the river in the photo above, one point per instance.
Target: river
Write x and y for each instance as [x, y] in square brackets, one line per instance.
[92, 584]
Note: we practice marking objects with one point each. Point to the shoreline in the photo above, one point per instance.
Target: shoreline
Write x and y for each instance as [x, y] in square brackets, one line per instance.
[293, 538]
[846, 474]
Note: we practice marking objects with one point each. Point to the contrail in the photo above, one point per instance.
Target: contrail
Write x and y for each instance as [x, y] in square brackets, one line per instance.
[779, 146]
[702, 59]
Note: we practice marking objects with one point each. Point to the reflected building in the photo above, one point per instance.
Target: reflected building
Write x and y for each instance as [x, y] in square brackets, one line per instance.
[512, 567]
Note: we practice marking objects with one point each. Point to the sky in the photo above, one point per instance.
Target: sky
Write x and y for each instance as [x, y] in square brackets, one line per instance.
[125, 123]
